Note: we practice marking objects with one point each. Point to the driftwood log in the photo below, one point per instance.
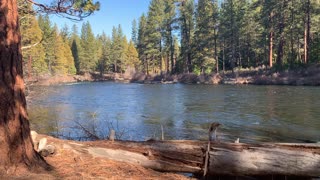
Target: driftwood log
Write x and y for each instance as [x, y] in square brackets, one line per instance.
[234, 159]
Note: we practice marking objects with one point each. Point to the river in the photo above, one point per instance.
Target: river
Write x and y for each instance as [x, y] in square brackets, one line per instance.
[83, 111]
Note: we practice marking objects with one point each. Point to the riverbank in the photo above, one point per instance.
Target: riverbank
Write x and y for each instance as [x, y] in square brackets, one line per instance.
[308, 76]
[70, 162]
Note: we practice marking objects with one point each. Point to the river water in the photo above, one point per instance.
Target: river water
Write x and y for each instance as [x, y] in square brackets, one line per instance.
[139, 111]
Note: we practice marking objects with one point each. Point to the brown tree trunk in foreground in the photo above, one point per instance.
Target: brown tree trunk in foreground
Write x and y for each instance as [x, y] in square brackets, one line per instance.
[16, 147]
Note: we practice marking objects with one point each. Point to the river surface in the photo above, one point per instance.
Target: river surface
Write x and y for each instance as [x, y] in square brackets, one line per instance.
[139, 111]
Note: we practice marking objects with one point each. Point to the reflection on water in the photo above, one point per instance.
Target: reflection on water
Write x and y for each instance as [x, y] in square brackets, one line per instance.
[252, 113]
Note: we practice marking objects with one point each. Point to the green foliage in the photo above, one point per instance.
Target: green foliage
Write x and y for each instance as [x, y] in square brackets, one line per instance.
[87, 58]
[134, 33]
[178, 37]
[104, 62]
[206, 19]
[33, 51]
[132, 56]
[76, 48]
[142, 43]
[186, 25]
[48, 40]
[154, 29]
[229, 34]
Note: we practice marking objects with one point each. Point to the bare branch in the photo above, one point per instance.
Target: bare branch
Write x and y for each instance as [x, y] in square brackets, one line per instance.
[30, 46]
[69, 9]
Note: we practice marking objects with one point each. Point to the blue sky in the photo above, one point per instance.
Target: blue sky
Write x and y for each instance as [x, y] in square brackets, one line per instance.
[112, 13]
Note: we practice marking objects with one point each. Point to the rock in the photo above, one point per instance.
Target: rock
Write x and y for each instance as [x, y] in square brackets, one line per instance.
[34, 135]
[112, 135]
[42, 144]
[44, 153]
[51, 149]
[47, 151]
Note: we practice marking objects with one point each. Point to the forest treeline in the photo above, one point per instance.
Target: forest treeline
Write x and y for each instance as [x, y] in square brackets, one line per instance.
[226, 34]
[48, 50]
[181, 36]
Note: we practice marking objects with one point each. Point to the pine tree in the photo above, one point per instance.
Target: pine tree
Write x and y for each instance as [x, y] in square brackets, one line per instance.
[104, 61]
[32, 49]
[48, 40]
[186, 22]
[154, 29]
[134, 33]
[71, 69]
[203, 56]
[123, 54]
[169, 26]
[132, 57]
[64, 33]
[59, 63]
[117, 48]
[142, 44]
[76, 48]
[231, 18]
[88, 57]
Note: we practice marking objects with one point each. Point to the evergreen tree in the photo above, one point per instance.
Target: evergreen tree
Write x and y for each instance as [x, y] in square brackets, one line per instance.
[203, 56]
[32, 49]
[142, 43]
[76, 48]
[48, 40]
[132, 57]
[186, 23]
[64, 32]
[59, 63]
[87, 59]
[169, 26]
[117, 48]
[134, 33]
[104, 62]
[154, 29]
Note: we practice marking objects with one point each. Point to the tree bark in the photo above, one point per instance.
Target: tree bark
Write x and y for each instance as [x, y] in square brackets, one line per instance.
[281, 27]
[234, 159]
[16, 145]
[216, 51]
[271, 40]
[307, 25]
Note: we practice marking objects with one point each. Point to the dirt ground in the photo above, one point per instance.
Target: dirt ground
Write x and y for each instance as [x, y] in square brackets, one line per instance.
[70, 164]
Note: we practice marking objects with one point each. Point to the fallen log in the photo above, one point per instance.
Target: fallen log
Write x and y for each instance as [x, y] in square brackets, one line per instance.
[235, 159]
[224, 158]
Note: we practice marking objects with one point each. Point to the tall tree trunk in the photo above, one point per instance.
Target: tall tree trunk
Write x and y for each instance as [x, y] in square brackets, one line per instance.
[15, 140]
[167, 62]
[281, 45]
[115, 67]
[281, 33]
[172, 54]
[307, 31]
[271, 48]
[233, 41]
[147, 64]
[160, 57]
[223, 57]
[215, 50]
[271, 39]
[291, 34]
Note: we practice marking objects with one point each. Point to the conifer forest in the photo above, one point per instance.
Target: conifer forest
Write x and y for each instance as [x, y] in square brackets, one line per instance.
[180, 36]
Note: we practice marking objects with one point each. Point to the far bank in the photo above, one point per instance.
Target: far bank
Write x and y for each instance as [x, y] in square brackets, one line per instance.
[309, 76]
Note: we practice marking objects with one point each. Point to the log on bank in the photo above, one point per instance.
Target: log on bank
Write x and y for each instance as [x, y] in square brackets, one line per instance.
[236, 159]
